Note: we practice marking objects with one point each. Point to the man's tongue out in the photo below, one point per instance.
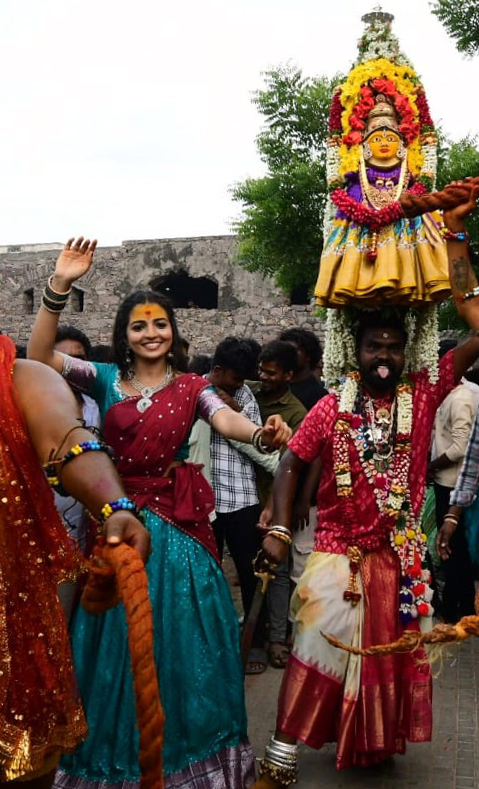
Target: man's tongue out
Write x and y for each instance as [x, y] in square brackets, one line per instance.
[383, 371]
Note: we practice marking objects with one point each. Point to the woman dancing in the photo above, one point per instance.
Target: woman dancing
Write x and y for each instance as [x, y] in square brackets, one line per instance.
[148, 407]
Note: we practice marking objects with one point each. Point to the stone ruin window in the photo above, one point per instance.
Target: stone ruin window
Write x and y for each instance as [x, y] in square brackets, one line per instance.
[77, 299]
[188, 292]
[300, 294]
[28, 304]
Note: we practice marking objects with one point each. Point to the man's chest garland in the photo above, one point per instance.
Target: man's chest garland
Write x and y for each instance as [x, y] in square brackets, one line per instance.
[381, 434]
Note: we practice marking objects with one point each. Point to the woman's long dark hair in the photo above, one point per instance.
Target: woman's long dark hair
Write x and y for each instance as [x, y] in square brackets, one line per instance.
[119, 342]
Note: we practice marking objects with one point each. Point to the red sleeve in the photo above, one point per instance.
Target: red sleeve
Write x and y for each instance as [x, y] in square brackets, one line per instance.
[447, 381]
[315, 429]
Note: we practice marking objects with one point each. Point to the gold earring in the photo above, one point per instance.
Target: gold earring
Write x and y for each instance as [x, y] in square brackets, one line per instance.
[367, 152]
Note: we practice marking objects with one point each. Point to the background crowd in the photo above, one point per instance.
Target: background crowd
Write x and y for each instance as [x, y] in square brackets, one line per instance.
[285, 377]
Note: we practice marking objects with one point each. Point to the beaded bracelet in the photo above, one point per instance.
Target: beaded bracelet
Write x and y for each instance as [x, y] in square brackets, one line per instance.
[54, 465]
[116, 506]
[450, 235]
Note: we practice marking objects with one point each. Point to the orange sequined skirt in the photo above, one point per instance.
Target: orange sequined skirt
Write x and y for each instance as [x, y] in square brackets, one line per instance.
[40, 711]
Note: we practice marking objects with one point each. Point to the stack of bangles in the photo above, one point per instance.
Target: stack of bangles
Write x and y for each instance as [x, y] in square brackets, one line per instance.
[258, 444]
[52, 300]
[281, 533]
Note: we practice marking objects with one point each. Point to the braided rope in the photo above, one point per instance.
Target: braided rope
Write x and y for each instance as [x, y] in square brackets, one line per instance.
[415, 205]
[412, 639]
[119, 573]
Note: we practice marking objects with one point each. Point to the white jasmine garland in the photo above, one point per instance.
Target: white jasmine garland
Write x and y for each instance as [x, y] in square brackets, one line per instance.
[349, 394]
[404, 415]
[425, 349]
[382, 43]
[340, 346]
[333, 162]
[410, 326]
[344, 479]
[429, 167]
[394, 501]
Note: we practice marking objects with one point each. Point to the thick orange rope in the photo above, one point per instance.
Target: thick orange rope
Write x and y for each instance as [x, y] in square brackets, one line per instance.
[412, 639]
[119, 573]
[415, 205]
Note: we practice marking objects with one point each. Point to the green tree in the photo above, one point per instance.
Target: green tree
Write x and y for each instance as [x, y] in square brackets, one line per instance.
[461, 20]
[280, 232]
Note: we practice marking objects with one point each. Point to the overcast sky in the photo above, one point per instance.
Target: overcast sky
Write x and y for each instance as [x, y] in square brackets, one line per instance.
[129, 119]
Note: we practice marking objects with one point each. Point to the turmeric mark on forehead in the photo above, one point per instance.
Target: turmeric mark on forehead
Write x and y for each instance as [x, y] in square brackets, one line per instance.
[144, 312]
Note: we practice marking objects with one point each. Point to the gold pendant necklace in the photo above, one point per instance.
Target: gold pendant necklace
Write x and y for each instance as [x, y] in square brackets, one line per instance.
[147, 392]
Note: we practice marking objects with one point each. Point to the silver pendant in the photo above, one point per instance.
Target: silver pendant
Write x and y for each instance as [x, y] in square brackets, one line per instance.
[143, 404]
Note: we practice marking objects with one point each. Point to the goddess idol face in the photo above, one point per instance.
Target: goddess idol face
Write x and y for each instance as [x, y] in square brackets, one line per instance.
[381, 148]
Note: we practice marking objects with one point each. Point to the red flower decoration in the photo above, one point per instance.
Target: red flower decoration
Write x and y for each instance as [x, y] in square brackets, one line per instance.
[353, 138]
[424, 609]
[417, 189]
[355, 122]
[425, 119]
[402, 103]
[385, 86]
[335, 114]
[418, 590]
[363, 215]
[409, 128]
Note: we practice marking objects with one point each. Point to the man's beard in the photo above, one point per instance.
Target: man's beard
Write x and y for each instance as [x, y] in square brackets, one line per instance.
[374, 381]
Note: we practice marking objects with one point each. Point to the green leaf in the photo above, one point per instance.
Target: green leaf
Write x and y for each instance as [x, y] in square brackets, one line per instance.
[461, 21]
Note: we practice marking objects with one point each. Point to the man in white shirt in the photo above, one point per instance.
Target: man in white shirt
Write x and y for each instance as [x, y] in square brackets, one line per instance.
[452, 428]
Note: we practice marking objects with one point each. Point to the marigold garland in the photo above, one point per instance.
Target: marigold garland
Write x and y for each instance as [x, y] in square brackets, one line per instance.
[354, 99]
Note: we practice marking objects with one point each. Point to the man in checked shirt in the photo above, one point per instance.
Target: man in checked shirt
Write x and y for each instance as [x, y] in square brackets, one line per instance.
[233, 479]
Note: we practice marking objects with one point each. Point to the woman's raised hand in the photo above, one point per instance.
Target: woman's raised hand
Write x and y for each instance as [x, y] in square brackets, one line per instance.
[75, 259]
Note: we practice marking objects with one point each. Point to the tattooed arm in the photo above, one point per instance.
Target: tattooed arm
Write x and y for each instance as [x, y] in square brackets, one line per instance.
[462, 280]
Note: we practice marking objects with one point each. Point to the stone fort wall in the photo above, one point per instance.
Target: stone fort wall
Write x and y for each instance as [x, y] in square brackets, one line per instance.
[248, 304]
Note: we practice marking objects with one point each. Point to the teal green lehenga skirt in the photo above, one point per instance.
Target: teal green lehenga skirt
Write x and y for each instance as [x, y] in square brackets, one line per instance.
[201, 682]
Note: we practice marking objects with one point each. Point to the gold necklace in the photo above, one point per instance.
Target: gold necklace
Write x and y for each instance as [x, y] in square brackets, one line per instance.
[380, 198]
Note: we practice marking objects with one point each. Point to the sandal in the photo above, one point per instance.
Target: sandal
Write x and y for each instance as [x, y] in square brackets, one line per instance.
[278, 655]
[257, 661]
